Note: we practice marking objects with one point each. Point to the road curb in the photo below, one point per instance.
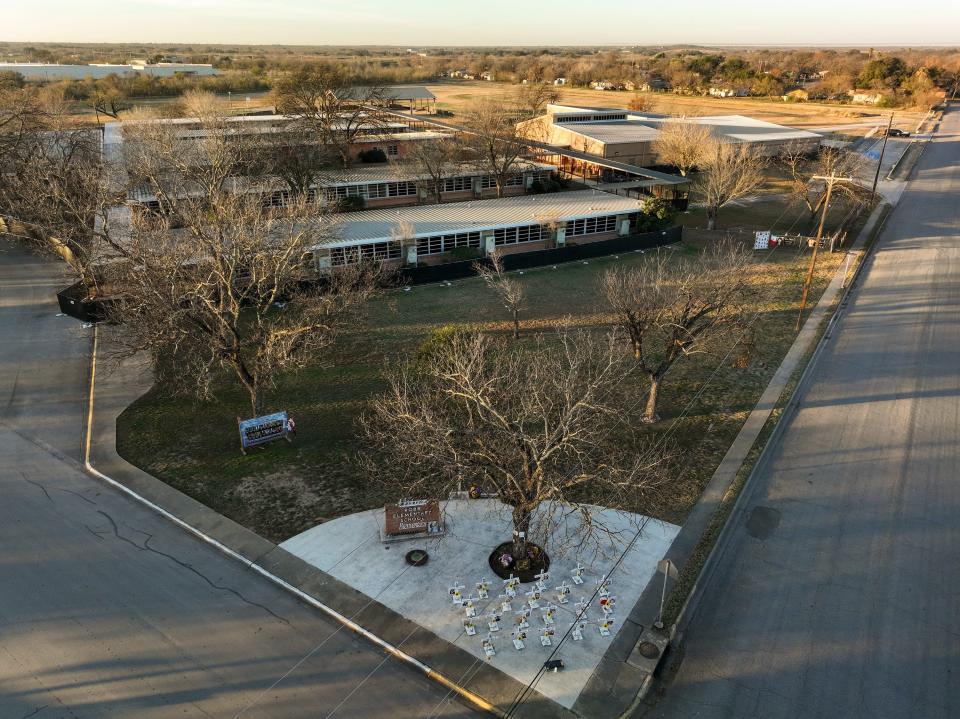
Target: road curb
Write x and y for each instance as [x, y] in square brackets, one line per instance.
[472, 698]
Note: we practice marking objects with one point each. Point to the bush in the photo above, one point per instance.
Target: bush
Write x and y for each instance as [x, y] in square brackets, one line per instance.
[372, 156]
[436, 341]
[657, 214]
[461, 254]
[352, 203]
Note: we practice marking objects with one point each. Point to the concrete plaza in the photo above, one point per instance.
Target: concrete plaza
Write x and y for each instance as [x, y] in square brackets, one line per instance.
[351, 550]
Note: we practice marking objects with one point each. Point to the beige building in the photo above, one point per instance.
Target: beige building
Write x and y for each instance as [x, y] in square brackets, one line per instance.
[628, 136]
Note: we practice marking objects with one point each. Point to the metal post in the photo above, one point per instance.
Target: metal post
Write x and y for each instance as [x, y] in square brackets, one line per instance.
[663, 598]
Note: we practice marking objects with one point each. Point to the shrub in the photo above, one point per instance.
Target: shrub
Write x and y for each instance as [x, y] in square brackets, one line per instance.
[372, 155]
[657, 214]
[461, 254]
[352, 203]
[437, 340]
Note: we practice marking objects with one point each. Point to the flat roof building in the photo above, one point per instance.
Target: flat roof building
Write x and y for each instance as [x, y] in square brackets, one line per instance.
[628, 136]
[427, 234]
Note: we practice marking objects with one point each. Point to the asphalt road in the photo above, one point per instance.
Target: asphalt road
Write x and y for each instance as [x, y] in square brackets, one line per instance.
[839, 596]
[107, 610]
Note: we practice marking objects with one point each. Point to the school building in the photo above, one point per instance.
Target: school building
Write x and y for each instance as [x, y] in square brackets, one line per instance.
[434, 234]
[626, 136]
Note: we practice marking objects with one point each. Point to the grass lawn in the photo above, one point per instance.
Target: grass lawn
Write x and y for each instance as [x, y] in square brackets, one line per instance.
[286, 488]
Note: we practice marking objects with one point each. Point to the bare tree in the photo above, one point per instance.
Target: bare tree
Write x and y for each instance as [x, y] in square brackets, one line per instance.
[56, 190]
[640, 102]
[332, 105]
[509, 289]
[672, 307]
[727, 171]
[230, 289]
[803, 165]
[530, 423]
[682, 144]
[436, 161]
[533, 97]
[491, 141]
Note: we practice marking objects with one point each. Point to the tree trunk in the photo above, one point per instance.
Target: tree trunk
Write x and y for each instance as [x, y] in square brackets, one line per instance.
[521, 525]
[650, 414]
[711, 218]
[516, 324]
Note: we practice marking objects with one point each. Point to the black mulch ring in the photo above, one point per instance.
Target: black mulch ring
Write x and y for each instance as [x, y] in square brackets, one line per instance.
[417, 557]
[537, 561]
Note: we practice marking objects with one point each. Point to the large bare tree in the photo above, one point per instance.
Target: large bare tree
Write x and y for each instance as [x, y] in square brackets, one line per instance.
[56, 189]
[491, 141]
[682, 144]
[332, 105]
[531, 423]
[435, 162]
[728, 171]
[671, 307]
[231, 287]
[533, 97]
[804, 166]
[509, 289]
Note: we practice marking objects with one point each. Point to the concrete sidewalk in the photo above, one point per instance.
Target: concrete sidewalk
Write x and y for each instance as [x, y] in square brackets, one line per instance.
[619, 675]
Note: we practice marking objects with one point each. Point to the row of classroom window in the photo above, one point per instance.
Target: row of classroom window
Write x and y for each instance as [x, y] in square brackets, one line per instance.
[438, 244]
[396, 189]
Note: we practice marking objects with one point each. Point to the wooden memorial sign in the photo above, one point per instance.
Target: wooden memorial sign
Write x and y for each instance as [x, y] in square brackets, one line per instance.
[419, 516]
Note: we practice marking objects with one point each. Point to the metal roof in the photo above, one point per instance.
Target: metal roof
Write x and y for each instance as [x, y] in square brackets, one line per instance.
[361, 175]
[376, 225]
[640, 128]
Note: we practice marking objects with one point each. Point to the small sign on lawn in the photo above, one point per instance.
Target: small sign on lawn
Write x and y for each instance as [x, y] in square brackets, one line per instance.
[762, 241]
[261, 430]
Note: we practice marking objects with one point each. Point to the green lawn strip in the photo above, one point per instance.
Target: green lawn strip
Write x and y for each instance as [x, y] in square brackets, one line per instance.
[285, 488]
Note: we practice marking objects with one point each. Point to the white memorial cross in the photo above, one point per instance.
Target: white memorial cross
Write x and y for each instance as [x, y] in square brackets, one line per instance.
[469, 627]
[562, 591]
[578, 574]
[518, 636]
[505, 606]
[483, 588]
[487, 644]
[542, 580]
[493, 622]
[607, 604]
[510, 586]
[581, 607]
[545, 635]
[455, 594]
[577, 632]
[520, 618]
[534, 598]
[548, 615]
[604, 586]
[470, 606]
[605, 627]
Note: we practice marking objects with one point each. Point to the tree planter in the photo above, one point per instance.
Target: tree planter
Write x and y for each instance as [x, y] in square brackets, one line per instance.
[537, 561]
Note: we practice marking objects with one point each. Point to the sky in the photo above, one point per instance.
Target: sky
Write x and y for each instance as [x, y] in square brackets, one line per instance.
[484, 22]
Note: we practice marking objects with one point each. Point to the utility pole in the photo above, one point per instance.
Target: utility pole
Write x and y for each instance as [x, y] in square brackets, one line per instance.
[883, 149]
[830, 180]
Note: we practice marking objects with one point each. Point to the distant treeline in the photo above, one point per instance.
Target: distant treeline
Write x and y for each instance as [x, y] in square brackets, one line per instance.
[903, 76]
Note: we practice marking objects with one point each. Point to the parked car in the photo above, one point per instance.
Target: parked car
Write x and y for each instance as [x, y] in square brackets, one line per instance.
[894, 132]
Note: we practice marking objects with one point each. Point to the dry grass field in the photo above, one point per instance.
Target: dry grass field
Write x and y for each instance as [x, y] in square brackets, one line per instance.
[457, 96]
